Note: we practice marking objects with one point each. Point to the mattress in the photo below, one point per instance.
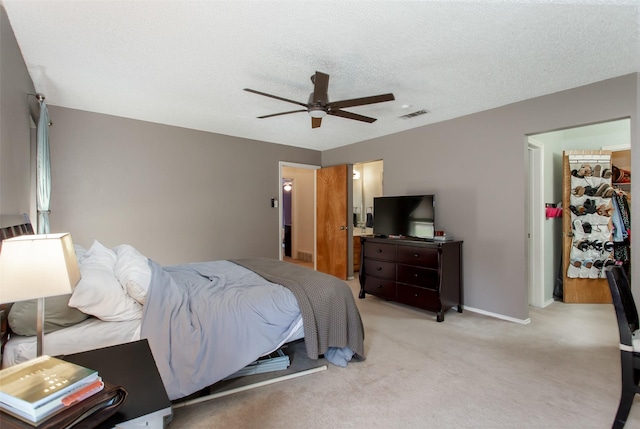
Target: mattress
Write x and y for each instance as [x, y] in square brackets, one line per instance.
[92, 334]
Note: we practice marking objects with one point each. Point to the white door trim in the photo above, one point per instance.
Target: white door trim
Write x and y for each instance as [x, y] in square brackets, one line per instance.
[535, 223]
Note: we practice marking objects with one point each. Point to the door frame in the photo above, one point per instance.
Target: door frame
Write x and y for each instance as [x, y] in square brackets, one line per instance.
[535, 223]
[280, 208]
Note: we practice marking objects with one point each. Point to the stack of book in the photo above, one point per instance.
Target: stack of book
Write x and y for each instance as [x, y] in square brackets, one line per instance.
[37, 390]
[274, 361]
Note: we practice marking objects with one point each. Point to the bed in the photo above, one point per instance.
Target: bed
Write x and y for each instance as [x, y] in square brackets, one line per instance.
[204, 321]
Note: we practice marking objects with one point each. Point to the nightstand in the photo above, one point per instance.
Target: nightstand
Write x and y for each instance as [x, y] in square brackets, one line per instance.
[132, 366]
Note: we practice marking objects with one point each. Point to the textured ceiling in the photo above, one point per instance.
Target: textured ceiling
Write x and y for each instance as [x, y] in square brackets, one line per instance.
[185, 63]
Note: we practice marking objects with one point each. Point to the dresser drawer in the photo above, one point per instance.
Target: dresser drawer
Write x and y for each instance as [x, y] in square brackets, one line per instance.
[418, 297]
[413, 272]
[418, 256]
[380, 269]
[385, 252]
[380, 287]
[423, 277]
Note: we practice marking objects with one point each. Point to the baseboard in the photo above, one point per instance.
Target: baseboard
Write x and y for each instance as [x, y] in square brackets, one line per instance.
[548, 303]
[498, 316]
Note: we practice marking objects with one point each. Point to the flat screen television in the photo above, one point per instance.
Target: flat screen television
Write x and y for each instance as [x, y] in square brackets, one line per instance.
[406, 216]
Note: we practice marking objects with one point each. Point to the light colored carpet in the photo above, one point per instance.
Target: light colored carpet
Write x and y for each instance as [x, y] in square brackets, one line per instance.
[471, 371]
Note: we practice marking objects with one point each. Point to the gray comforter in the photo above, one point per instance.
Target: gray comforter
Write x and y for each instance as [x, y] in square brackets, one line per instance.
[331, 317]
[205, 321]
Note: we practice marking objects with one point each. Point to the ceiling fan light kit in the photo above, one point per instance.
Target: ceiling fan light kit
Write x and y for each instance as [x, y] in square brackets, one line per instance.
[317, 112]
[319, 106]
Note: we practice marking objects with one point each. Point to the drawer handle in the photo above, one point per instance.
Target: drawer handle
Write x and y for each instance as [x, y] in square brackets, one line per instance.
[379, 286]
[415, 275]
[416, 255]
[416, 295]
[379, 250]
[379, 268]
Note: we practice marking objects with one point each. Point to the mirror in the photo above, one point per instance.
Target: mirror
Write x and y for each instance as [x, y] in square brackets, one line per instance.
[367, 184]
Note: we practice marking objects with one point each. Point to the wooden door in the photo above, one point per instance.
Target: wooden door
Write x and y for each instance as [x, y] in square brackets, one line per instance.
[332, 226]
[577, 288]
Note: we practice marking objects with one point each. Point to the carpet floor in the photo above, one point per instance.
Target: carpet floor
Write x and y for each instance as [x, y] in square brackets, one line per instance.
[471, 371]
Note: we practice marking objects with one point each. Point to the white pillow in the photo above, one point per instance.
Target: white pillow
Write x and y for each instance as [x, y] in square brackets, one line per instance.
[133, 272]
[99, 292]
[81, 252]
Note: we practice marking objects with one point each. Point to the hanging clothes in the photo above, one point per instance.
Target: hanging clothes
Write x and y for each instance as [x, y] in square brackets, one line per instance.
[621, 219]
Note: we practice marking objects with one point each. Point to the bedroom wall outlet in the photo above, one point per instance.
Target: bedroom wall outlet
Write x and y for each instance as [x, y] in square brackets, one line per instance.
[274, 203]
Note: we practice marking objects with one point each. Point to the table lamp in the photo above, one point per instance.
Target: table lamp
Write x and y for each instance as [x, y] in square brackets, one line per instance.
[37, 267]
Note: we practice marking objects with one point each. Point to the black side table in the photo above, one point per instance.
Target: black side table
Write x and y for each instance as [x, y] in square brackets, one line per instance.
[132, 366]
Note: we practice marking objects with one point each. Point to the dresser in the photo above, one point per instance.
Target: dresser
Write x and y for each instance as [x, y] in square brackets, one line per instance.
[423, 274]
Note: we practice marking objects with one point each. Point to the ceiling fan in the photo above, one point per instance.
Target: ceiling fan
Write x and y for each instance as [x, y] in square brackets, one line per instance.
[319, 105]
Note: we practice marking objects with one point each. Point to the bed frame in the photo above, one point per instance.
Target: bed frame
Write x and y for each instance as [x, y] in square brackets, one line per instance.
[16, 225]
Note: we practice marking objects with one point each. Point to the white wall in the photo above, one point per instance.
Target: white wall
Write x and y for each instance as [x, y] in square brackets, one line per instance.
[372, 177]
[367, 187]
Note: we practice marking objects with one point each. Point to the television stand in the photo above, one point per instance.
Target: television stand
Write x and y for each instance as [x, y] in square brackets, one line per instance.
[423, 274]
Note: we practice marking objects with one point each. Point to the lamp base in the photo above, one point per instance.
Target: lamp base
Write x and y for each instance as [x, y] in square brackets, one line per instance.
[40, 327]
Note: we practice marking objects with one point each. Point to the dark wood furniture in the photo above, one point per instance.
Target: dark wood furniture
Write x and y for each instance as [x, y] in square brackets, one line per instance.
[628, 323]
[357, 252]
[423, 274]
[132, 366]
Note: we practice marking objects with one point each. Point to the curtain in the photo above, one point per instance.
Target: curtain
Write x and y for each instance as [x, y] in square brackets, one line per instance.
[43, 170]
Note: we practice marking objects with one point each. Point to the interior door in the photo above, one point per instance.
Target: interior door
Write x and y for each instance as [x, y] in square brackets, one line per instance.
[332, 226]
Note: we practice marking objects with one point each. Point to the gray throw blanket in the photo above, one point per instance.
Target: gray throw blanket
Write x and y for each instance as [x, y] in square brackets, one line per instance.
[329, 312]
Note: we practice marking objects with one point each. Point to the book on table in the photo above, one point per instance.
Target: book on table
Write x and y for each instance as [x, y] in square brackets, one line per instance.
[40, 388]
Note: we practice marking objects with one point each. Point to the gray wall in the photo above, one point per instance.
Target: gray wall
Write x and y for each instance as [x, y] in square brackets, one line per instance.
[15, 84]
[182, 195]
[476, 167]
[178, 195]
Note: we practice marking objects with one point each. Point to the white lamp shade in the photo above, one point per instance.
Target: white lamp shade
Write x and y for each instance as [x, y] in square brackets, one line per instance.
[37, 266]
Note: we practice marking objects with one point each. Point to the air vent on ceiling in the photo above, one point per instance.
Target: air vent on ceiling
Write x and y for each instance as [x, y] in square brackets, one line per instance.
[414, 114]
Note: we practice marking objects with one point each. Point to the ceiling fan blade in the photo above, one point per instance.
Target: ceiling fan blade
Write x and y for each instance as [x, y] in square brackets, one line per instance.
[361, 101]
[275, 96]
[349, 115]
[320, 88]
[316, 122]
[281, 113]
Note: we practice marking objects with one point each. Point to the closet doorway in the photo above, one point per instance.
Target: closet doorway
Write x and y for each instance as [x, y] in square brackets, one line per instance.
[546, 173]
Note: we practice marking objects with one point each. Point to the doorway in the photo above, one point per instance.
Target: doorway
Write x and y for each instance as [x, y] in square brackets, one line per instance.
[287, 195]
[544, 187]
[296, 214]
